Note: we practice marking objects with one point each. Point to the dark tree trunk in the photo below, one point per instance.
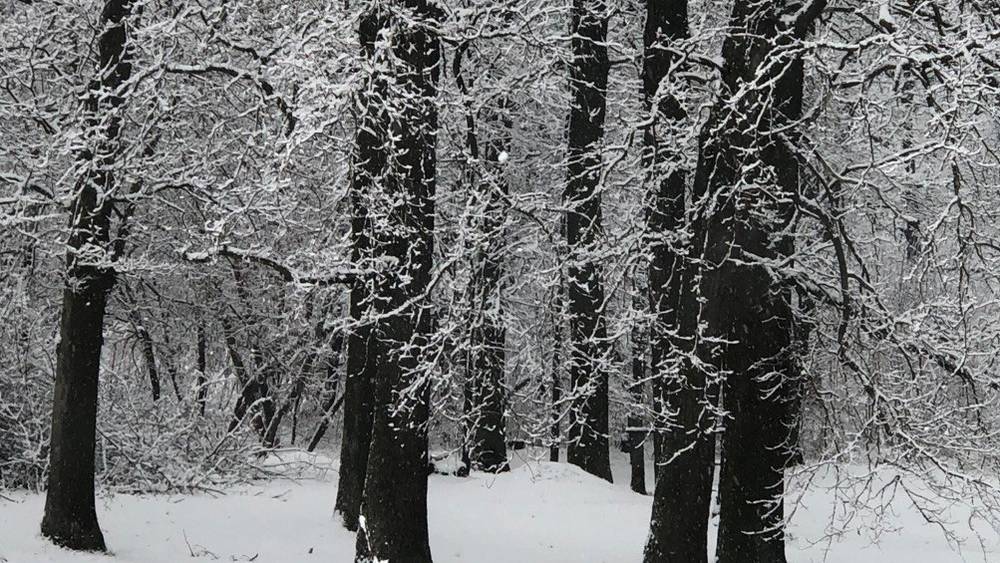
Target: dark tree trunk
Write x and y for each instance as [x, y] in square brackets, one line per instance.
[171, 366]
[295, 419]
[330, 408]
[146, 342]
[636, 435]
[357, 384]
[802, 328]
[394, 506]
[682, 499]
[370, 160]
[332, 403]
[247, 382]
[589, 346]
[258, 377]
[202, 395]
[254, 399]
[298, 386]
[70, 518]
[744, 303]
[486, 393]
[666, 24]
[555, 432]
[558, 316]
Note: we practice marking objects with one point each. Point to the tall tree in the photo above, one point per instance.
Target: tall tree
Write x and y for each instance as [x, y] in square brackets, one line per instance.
[486, 400]
[394, 507]
[486, 361]
[70, 517]
[202, 366]
[636, 437]
[666, 24]
[749, 172]
[589, 346]
[679, 522]
[369, 165]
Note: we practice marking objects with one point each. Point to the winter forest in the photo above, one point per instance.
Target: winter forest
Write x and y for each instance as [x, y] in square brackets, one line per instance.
[542, 281]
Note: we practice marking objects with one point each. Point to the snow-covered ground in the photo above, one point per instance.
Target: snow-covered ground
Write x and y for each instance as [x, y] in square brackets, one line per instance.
[537, 513]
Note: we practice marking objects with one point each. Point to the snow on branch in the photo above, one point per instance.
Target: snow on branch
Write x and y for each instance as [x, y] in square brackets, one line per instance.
[286, 273]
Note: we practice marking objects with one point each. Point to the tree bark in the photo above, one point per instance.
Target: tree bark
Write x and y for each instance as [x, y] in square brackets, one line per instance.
[370, 161]
[682, 498]
[589, 346]
[486, 360]
[70, 518]
[332, 403]
[254, 398]
[171, 365]
[558, 323]
[636, 436]
[330, 408]
[394, 507]
[666, 24]
[299, 385]
[148, 352]
[357, 404]
[744, 303]
[145, 341]
[202, 394]
[259, 376]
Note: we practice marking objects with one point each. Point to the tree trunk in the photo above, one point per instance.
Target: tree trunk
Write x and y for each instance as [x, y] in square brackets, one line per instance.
[370, 160]
[259, 377]
[70, 518]
[394, 506]
[358, 379]
[171, 365]
[555, 432]
[298, 386]
[330, 408]
[486, 359]
[202, 395]
[636, 436]
[744, 303]
[589, 346]
[558, 316]
[682, 498]
[148, 351]
[332, 403]
[666, 23]
[253, 385]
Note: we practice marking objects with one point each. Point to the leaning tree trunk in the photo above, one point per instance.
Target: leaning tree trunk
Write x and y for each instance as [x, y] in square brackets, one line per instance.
[744, 303]
[254, 398]
[70, 517]
[682, 498]
[589, 346]
[145, 341]
[394, 507]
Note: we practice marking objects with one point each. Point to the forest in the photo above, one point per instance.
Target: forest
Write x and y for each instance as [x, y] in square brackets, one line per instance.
[554, 281]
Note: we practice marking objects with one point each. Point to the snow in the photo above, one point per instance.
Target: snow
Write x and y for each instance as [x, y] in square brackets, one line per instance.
[540, 512]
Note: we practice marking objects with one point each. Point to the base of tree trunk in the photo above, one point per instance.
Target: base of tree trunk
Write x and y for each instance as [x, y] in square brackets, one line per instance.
[79, 532]
[592, 462]
[70, 518]
[637, 459]
[679, 524]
